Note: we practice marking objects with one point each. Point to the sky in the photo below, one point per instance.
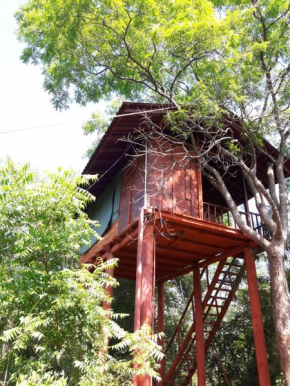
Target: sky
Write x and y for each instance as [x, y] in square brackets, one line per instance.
[25, 104]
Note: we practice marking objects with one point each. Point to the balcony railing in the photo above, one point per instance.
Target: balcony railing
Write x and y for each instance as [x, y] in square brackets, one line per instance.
[222, 215]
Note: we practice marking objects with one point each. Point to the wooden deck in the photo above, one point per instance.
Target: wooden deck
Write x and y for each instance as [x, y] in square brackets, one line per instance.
[181, 242]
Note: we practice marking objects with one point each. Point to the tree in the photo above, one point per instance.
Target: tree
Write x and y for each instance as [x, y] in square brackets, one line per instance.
[54, 328]
[213, 61]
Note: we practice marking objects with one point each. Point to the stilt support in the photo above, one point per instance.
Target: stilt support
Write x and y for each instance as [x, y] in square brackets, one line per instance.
[109, 271]
[148, 277]
[145, 284]
[200, 352]
[257, 321]
[161, 329]
[138, 285]
[107, 304]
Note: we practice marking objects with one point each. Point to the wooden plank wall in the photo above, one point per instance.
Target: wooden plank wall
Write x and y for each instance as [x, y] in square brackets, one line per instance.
[174, 182]
[132, 193]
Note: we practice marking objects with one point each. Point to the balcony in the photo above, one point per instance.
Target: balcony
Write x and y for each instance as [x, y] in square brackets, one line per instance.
[223, 216]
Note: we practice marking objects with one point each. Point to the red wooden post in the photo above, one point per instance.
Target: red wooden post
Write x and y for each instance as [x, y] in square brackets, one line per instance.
[147, 292]
[145, 278]
[109, 289]
[148, 277]
[200, 352]
[109, 271]
[160, 328]
[138, 284]
[109, 292]
[257, 321]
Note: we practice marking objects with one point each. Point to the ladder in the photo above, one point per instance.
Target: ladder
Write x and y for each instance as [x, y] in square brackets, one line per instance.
[217, 297]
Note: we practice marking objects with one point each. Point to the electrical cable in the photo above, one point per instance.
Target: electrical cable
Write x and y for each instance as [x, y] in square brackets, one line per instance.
[69, 123]
[121, 156]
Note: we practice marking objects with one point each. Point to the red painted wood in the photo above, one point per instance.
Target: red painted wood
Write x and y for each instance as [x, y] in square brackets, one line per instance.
[257, 321]
[159, 175]
[160, 328]
[138, 285]
[200, 352]
[173, 182]
[138, 188]
[109, 271]
[180, 353]
[180, 322]
[132, 193]
[147, 289]
[124, 203]
[147, 292]
[144, 290]
[139, 268]
[209, 308]
[109, 290]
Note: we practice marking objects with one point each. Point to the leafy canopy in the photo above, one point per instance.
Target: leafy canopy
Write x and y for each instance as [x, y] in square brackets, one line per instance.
[90, 49]
[214, 55]
[53, 327]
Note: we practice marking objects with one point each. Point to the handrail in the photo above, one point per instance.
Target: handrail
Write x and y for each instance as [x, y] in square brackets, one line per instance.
[222, 215]
[190, 301]
[217, 206]
[179, 323]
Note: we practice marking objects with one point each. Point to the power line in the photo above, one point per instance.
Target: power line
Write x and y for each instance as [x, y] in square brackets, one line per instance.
[115, 163]
[70, 123]
[39, 127]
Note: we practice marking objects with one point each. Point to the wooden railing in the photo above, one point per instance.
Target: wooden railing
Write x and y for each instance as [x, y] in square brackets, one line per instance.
[222, 215]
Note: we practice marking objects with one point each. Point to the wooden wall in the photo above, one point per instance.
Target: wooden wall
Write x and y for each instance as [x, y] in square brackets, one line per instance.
[173, 183]
[174, 180]
[132, 193]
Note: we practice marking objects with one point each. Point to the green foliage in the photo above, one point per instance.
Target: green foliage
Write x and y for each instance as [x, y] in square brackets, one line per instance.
[54, 329]
[114, 46]
[234, 338]
[177, 293]
[236, 345]
[42, 219]
[124, 302]
[210, 55]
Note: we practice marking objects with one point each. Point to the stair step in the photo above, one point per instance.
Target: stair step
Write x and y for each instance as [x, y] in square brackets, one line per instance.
[226, 282]
[223, 289]
[230, 273]
[218, 297]
[233, 265]
[214, 305]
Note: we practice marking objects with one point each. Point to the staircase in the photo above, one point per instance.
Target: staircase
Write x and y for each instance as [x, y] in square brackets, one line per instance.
[217, 297]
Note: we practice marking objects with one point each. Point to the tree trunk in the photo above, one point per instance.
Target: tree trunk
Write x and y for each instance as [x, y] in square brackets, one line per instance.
[280, 306]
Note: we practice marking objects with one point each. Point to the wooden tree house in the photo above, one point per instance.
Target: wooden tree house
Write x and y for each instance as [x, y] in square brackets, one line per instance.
[162, 219]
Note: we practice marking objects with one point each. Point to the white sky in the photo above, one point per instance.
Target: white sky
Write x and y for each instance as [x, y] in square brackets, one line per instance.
[24, 103]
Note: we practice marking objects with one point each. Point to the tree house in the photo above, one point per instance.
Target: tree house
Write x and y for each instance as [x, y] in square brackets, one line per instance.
[162, 219]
